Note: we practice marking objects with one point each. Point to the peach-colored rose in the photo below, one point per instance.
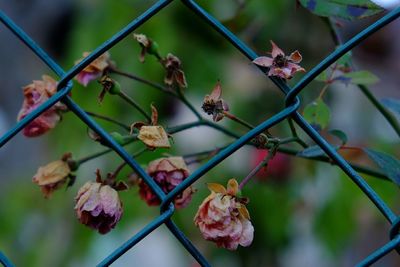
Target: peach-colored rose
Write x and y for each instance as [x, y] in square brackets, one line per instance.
[94, 70]
[223, 217]
[168, 173]
[36, 94]
[98, 206]
[279, 64]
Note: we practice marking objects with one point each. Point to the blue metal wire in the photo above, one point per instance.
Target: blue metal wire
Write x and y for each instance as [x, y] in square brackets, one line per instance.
[292, 104]
[5, 261]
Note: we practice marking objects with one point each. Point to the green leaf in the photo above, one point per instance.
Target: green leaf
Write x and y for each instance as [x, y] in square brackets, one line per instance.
[313, 152]
[392, 104]
[346, 9]
[387, 163]
[361, 77]
[317, 113]
[339, 134]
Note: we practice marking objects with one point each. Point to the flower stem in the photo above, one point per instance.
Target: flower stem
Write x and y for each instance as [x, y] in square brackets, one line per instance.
[183, 98]
[142, 80]
[294, 134]
[132, 102]
[106, 118]
[263, 163]
[238, 120]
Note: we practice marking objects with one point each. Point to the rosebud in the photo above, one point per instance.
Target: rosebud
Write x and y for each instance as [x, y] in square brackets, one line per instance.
[214, 105]
[52, 176]
[223, 217]
[175, 73]
[281, 65]
[94, 70]
[98, 206]
[167, 173]
[36, 94]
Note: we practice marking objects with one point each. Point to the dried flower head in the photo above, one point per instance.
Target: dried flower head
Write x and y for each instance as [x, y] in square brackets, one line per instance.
[175, 73]
[148, 46]
[223, 217]
[98, 206]
[214, 105]
[52, 176]
[154, 137]
[94, 70]
[167, 173]
[281, 65]
[35, 94]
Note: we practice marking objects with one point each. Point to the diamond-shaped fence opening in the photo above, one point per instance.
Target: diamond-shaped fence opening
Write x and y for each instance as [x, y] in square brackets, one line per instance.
[65, 86]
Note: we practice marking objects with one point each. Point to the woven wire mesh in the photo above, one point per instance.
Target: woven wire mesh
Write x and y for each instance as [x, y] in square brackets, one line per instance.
[292, 104]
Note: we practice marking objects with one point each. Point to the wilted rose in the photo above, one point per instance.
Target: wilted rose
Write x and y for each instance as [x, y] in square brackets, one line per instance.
[94, 70]
[35, 94]
[52, 176]
[98, 206]
[223, 217]
[279, 64]
[167, 173]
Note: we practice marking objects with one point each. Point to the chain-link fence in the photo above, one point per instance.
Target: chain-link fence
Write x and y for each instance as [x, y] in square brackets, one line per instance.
[292, 102]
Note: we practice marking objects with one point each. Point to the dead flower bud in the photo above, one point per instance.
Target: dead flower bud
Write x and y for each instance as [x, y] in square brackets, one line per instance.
[279, 64]
[148, 46]
[174, 70]
[214, 105]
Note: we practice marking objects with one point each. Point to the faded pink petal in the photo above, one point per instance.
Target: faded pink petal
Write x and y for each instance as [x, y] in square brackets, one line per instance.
[276, 51]
[86, 77]
[264, 61]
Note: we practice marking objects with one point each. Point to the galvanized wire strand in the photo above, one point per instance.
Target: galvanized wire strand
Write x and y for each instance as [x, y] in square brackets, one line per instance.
[154, 224]
[5, 261]
[380, 253]
[292, 102]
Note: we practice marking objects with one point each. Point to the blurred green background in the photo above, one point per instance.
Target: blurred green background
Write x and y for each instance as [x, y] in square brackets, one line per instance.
[305, 214]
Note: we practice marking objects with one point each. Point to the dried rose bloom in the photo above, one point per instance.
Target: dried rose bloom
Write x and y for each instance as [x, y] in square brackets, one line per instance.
[52, 176]
[174, 71]
[98, 206]
[214, 105]
[36, 94]
[223, 217]
[168, 173]
[154, 137]
[281, 65]
[148, 46]
[94, 70]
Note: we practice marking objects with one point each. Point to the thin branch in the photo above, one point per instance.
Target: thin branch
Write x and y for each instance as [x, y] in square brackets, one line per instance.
[99, 116]
[133, 103]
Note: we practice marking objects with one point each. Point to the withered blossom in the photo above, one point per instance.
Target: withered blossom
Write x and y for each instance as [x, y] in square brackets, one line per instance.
[279, 64]
[214, 105]
[94, 70]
